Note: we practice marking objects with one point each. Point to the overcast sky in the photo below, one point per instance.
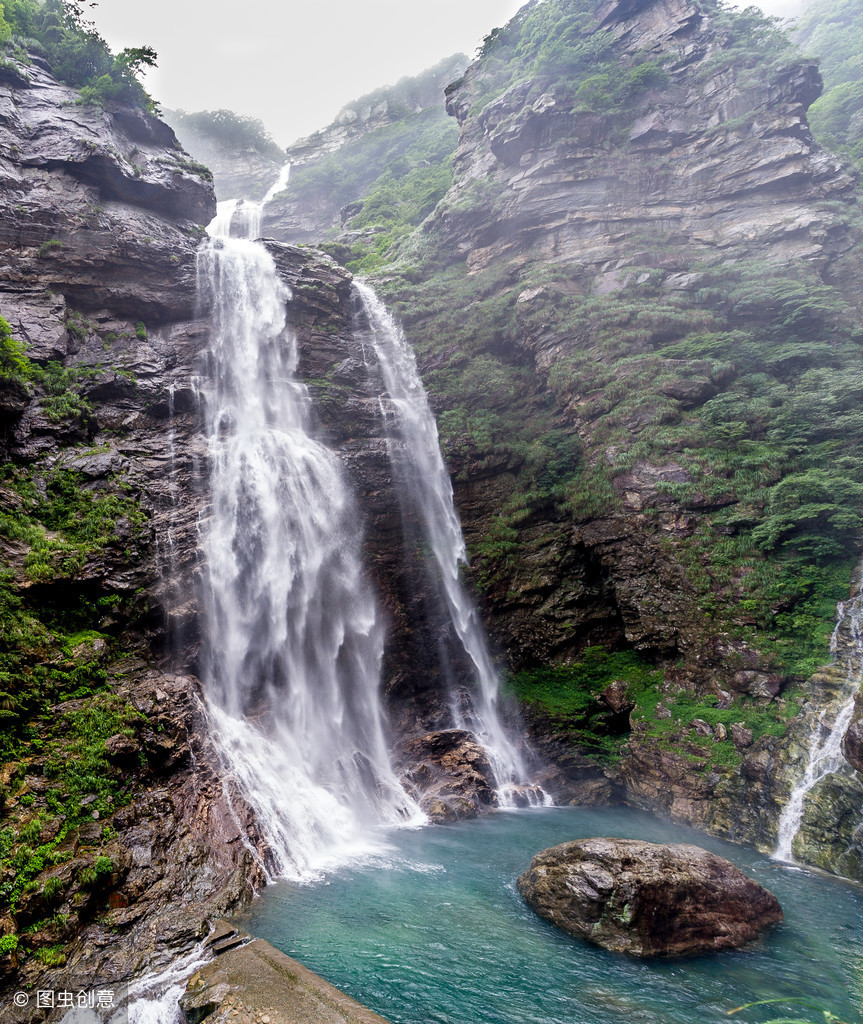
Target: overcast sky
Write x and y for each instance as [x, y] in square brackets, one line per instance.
[295, 64]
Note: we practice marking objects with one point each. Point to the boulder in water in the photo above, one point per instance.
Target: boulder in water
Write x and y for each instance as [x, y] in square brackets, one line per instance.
[647, 899]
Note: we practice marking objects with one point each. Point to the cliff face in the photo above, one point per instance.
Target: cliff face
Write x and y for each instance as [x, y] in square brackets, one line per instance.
[710, 155]
[242, 158]
[613, 309]
[100, 222]
[119, 839]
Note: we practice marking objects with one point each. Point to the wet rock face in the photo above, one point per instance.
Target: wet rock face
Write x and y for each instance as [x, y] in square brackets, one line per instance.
[647, 899]
[853, 745]
[449, 773]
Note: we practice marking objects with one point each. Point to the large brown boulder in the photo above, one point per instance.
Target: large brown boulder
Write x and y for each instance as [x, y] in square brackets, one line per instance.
[647, 899]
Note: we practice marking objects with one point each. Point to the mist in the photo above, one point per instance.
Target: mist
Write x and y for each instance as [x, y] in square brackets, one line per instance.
[295, 65]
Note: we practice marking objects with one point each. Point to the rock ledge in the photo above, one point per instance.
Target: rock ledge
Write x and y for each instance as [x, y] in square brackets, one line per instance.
[252, 982]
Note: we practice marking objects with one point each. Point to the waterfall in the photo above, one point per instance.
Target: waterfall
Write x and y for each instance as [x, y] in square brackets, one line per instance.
[292, 667]
[242, 217]
[416, 457]
[825, 743]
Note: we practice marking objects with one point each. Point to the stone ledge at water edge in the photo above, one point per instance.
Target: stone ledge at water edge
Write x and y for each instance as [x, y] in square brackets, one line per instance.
[254, 983]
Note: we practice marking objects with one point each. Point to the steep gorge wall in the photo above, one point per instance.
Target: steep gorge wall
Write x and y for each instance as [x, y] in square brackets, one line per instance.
[634, 309]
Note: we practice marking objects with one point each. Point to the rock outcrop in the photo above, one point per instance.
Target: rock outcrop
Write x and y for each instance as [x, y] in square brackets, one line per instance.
[647, 899]
[251, 982]
[853, 745]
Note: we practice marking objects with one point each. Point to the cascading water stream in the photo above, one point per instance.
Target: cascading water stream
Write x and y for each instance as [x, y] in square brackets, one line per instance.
[242, 217]
[428, 491]
[825, 745]
[293, 665]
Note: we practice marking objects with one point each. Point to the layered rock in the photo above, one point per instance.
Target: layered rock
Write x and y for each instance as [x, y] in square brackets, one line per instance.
[714, 159]
[646, 899]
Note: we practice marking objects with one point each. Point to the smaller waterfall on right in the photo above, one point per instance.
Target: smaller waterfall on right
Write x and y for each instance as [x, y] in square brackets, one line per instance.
[428, 491]
[825, 743]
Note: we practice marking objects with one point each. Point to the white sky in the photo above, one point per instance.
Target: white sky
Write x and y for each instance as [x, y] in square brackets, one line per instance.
[295, 64]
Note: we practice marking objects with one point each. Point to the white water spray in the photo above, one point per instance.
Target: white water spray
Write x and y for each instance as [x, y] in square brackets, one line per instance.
[293, 666]
[428, 489]
[825, 744]
[242, 217]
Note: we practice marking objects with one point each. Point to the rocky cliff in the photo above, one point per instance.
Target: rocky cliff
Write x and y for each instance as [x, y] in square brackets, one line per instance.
[637, 310]
[119, 840]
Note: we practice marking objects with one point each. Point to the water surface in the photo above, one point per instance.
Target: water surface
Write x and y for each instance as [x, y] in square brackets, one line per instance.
[435, 933]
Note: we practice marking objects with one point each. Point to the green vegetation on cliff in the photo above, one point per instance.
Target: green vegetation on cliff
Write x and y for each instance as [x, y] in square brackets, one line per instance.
[62, 615]
[394, 177]
[561, 46]
[721, 395]
[571, 696]
[832, 30]
[400, 171]
[78, 55]
[229, 129]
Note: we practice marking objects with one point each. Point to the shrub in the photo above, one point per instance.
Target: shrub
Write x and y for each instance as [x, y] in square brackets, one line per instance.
[14, 364]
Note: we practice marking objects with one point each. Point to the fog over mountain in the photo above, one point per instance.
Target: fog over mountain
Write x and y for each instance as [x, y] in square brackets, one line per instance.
[295, 65]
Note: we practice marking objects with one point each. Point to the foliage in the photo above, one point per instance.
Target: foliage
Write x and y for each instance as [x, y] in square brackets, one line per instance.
[78, 55]
[60, 386]
[560, 46]
[14, 364]
[832, 30]
[48, 246]
[569, 694]
[818, 513]
[394, 176]
[232, 130]
[120, 84]
[568, 691]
